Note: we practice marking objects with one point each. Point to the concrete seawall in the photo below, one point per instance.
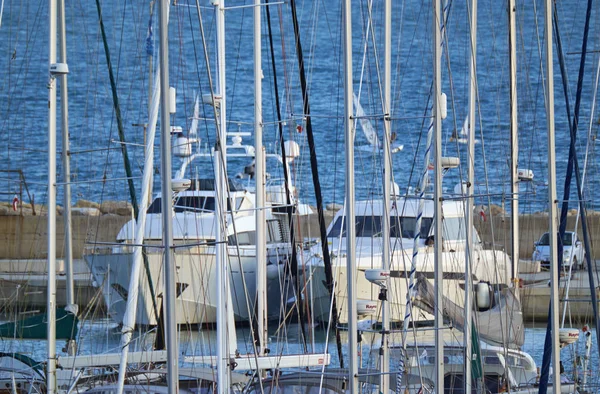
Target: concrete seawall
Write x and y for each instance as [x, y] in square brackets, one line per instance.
[25, 237]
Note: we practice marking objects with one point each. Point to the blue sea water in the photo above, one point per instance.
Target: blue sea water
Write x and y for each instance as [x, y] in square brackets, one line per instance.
[96, 157]
[102, 336]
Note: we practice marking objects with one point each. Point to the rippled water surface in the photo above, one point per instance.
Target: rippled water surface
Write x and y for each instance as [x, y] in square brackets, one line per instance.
[96, 157]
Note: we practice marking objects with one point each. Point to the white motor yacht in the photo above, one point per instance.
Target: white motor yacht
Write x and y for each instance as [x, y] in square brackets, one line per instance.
[492, 266]
[194, 226]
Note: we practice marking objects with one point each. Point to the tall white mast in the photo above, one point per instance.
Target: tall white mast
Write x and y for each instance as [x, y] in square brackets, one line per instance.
[226, 340]
[221, 82]
[64, 107]
[387, 174]
[469, 196]
[261, 243]
[136, 269]
[167, 204]
[514, 138]
[350, 219]
[51, 294]
[221, 259]
[553, 218]
[437, 195]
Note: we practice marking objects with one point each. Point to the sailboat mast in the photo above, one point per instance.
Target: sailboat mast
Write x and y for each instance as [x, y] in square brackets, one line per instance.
[222, 353]
[226, 340]
[514, 142]
[167, 204]
[64, 107]
[553, 218]
[437, 195]
[51, 292]
[350, 217]
[387, 174]
[220, 88]
[259, 158]
[140, 225]
[467, 335]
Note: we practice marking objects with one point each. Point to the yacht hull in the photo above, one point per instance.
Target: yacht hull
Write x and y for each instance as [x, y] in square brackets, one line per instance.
[490, 266]
[196, 284]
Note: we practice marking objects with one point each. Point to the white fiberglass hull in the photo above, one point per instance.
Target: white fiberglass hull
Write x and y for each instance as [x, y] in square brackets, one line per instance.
[490, 266]
[196, 284]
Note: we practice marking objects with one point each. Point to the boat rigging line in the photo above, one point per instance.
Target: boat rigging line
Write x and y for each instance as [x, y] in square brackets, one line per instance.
[126, 161]
[316, 183]
[571, 165]
[294, 260]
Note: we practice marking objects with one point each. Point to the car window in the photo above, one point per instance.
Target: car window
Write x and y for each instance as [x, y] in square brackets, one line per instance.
[544, 240]
[567, 240]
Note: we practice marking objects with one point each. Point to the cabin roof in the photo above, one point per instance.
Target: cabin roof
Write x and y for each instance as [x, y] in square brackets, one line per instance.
[406, 207]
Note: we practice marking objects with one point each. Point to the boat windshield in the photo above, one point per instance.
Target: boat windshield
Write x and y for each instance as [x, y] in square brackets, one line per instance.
[404, 227]
[370, 226]
[192, 203]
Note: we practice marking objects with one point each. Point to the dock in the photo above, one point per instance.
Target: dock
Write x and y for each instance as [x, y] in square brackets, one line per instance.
[575, 301]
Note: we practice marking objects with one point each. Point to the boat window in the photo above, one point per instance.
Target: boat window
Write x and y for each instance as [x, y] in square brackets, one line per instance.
[192, 203]
[366, 226]
[238, 202]
[336, 229]
[155, 206]
[370, 226]
[431, 359]
[404, 227]
[454, 229]
[518, 362]
[209, 204]
[491, 360]
[244, 238]
[189, 203]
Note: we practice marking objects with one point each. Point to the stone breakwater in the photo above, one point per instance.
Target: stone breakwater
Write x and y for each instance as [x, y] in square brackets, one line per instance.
[23, 233]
